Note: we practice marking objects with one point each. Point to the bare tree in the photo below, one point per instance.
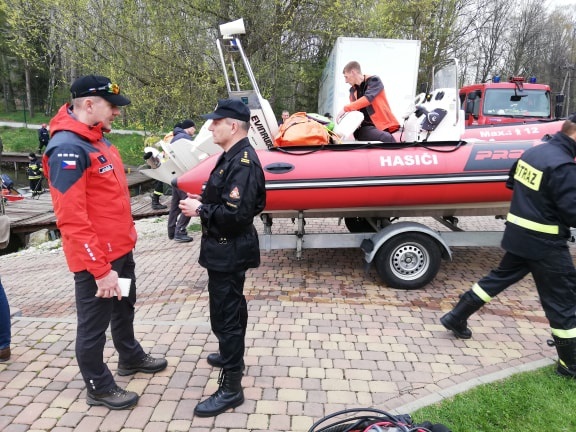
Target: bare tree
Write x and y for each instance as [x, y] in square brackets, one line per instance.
[525, 39]
[488, 22]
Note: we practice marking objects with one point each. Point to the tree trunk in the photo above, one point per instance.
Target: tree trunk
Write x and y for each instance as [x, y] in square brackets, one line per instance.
[28, 90]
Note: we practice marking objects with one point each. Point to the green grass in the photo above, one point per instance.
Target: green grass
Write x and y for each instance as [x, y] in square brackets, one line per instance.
[538, 401]
[131, 146]
[19, 116]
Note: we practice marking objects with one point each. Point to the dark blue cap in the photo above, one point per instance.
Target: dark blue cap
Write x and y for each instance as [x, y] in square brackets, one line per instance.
[229, 108]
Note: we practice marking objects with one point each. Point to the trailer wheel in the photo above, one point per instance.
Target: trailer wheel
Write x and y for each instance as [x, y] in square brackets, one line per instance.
[408, 261]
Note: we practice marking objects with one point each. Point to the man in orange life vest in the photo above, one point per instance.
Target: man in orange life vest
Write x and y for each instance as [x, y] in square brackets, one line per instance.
[367, 96]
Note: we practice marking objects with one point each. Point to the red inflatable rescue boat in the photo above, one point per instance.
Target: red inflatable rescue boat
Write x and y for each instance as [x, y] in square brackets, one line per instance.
[10, 196]
[457, 178]
[511, 132]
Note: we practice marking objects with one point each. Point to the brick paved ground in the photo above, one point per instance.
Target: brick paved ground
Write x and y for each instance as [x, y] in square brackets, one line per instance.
[322, 336]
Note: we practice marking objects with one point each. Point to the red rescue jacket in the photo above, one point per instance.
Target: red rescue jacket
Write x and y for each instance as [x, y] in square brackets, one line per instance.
[89, 193]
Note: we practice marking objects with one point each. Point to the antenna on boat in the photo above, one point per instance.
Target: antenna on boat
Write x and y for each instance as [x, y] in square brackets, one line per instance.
[228, 30]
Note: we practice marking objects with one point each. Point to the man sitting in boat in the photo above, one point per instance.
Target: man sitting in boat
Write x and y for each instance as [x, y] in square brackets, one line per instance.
[367, 95]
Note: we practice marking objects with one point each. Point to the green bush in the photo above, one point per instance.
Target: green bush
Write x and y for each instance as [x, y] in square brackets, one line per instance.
[131, 146]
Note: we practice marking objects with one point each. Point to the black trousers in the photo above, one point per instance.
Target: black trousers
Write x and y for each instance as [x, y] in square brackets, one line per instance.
[94, 315]
[36, 185]
[177, 221]
[228, 315]
[555, 278]
[158, 188]
[372, 133]
[511, 269]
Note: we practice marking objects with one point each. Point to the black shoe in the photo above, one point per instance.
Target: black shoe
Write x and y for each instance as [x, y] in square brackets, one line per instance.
[148, 364]
[566, 348]
[159, 207]
[115, 398]
[215, 360]
[565, 371]
[5, 354]
[459, 328]
[182, 238]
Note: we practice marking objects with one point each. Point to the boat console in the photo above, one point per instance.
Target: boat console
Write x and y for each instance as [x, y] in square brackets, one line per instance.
[435, 118]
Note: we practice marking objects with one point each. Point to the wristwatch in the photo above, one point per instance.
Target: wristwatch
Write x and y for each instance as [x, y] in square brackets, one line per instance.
[198, 209]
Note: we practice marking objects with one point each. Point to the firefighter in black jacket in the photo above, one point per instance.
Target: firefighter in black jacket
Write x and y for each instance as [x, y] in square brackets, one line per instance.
[536, 241]
[234, 194]
[35, 174]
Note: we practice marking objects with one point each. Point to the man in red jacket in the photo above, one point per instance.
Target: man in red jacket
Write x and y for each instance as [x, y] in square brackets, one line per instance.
[367, 95]
[92, 206]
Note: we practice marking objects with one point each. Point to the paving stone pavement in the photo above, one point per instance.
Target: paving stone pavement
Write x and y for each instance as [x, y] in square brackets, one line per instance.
[322, 336]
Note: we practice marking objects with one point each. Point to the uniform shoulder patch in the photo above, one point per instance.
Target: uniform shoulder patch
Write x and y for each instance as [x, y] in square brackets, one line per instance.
[235, 193]
[244, 160]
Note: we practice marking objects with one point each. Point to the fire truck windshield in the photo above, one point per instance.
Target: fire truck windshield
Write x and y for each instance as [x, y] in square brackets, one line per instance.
[508, 103]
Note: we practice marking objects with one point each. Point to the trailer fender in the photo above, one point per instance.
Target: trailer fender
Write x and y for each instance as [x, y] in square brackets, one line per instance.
[371, 246]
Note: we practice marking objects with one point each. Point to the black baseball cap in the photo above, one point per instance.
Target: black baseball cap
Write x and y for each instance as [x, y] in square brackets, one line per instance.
[572, 117]
[185, 124]
[229, 108]
[96, 85]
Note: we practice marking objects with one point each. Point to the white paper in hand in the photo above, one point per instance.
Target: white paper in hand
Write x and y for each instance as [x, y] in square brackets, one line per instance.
[124, 284]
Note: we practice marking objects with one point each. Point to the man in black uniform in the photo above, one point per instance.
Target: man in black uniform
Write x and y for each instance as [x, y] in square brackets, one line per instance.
[535, 240]
[234, 194]
[177, 222]
[43, 137]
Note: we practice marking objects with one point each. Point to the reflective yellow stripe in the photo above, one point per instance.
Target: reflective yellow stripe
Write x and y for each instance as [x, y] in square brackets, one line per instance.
[534, 226]
[564, 334]
[477, 289]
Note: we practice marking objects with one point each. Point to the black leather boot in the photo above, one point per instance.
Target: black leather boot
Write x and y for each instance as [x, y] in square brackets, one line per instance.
[156, 205]
[566, 349]
[229, 395]
[456, 319]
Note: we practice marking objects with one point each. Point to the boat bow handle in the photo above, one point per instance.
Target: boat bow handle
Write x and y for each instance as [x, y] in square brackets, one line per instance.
[279, 167]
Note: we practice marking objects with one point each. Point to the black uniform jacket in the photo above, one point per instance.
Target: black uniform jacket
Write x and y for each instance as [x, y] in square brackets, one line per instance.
[544, 194]
[234, 194]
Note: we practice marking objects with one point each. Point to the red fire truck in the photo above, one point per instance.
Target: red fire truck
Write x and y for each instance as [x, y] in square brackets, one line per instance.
[514, 101]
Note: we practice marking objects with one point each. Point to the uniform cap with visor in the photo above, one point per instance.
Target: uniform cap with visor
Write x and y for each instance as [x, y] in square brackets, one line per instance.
[229, 108]
[97, 85]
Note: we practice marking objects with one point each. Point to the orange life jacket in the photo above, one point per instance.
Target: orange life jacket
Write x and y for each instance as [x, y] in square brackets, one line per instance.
[376, 104]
